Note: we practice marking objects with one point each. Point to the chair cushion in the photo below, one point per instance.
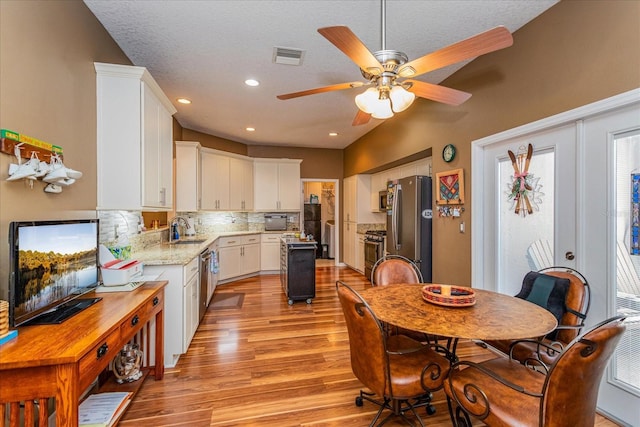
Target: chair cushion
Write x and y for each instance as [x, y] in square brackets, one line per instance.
[546, 291]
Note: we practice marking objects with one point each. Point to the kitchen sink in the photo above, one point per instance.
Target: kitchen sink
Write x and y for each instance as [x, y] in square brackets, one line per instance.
[187, 242]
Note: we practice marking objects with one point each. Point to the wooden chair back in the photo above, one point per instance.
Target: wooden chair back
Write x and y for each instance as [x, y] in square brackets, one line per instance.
[395, 269]
[571, 387]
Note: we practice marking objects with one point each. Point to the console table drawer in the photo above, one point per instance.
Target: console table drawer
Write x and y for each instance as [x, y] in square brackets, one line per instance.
[142, 315]
[98, 358]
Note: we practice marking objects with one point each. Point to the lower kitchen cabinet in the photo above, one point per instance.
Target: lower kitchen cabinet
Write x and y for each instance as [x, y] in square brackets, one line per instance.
[270, 252]
[191, 306]
[238, 256]
[349, 245]
[360, 252]
[181, 309]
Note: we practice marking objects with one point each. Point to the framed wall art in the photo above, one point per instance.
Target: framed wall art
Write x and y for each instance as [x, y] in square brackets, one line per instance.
[450, 187]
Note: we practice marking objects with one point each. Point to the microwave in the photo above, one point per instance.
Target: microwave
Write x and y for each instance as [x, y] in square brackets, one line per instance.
[382, 201]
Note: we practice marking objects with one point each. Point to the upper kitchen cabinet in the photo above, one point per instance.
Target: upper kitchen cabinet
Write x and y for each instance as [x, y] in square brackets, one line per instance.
[276, 184]
[357, 196]
[188, 193]
[226, 181]
[215, 180]
[241, 184]
[134, 140]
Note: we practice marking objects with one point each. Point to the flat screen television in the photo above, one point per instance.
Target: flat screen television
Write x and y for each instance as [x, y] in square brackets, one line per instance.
[52, 263]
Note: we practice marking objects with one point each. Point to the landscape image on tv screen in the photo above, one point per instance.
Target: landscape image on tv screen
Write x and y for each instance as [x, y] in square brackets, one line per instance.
[54, 262]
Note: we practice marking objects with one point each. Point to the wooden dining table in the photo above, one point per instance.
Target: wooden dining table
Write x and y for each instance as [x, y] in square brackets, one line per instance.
[494, 316]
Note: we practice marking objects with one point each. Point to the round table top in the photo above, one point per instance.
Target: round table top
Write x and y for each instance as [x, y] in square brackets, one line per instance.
[494, 316]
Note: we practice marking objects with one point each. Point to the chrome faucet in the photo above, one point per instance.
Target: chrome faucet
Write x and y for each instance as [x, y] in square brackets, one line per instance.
[177, 221]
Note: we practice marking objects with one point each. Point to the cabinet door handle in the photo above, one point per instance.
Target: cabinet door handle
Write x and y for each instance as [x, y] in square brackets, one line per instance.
[135, 320]
[102, 350]
[163, 196]
[156, 300]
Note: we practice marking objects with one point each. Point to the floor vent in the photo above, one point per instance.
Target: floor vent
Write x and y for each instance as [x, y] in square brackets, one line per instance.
[288, 56]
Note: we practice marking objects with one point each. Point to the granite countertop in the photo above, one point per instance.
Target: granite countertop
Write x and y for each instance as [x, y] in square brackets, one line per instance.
[181, 254]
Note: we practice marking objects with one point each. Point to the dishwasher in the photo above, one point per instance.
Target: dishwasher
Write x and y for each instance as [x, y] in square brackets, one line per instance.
[298, 269]
[205, 277]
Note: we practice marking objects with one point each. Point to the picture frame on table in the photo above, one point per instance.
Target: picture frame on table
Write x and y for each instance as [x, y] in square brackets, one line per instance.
[450, 187]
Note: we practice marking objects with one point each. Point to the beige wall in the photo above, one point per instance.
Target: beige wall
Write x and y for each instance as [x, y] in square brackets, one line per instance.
[48, 91]
[215, 142]
[573, 54]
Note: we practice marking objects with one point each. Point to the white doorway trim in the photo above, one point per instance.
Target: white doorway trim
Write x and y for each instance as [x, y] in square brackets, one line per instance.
[478, 198]
[336, 186]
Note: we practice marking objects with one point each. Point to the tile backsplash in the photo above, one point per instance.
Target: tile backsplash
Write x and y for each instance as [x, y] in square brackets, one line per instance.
[121, 228]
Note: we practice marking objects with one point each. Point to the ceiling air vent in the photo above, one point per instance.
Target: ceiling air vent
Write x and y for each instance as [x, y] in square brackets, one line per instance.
[288, 55]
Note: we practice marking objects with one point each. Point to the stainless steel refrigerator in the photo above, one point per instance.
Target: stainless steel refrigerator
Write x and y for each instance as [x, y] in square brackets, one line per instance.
[409, 221]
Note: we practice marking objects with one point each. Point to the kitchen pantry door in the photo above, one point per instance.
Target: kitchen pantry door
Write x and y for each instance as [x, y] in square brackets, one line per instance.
[580, 163]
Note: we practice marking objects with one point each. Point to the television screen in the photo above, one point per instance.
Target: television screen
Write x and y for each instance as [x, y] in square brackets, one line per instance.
[52, 262]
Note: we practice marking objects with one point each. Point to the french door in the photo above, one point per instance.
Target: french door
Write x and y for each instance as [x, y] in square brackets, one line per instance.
[579, 185]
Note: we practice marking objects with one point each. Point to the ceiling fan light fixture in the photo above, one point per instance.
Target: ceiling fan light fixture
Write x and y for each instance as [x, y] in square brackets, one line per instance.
[382, 110]
[401, 99]
[366, 100]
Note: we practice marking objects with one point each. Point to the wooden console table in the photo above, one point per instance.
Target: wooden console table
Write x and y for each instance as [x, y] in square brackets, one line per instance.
[63, 360]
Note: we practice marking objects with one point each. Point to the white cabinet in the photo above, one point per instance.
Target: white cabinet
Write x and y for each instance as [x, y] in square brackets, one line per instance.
[187, 176]
[359, 252]
[270, 252]
[226, 181]
[348, 245]
[240, 184]
[277, 185]
[181, 309]
[238, 256]
[134, 140]
[357, 201]
[191, 304]
[215, 180]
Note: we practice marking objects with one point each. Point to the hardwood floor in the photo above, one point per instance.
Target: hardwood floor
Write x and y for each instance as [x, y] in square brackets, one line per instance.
[271, 364]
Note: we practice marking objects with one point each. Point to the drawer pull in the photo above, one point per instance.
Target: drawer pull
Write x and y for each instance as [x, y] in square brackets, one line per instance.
[156, 300]
[135, 320]
[102, 350]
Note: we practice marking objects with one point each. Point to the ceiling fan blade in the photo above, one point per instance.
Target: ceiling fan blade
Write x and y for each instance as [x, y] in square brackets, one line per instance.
[323, 89]
[489, 41]
[437, 93]
[361, 118]
[345, 40]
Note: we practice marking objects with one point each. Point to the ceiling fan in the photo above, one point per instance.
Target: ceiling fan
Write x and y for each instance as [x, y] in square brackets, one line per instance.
[389, 72]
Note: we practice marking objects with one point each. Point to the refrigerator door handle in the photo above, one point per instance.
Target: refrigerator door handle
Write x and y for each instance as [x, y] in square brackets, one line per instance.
[395, 216]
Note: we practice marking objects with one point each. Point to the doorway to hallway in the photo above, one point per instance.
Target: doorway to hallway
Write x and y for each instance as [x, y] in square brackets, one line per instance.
[320, 200]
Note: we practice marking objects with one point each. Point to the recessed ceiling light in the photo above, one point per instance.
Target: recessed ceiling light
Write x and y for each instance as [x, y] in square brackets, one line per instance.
[184, 101]
[333, 133]
[251, 82]
[250, 129]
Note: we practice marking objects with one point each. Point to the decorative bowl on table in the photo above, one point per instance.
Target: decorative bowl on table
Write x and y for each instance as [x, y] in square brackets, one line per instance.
[449, 295]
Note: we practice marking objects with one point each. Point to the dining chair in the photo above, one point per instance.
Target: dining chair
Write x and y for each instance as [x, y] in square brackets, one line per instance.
[395, 269]
[401, 372]
[503, 392]
[566, 294]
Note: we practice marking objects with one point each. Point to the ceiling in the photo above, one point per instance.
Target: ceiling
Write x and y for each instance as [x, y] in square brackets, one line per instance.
[205, 50]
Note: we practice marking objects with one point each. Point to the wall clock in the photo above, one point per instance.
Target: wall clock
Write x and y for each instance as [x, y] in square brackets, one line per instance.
[448, 152]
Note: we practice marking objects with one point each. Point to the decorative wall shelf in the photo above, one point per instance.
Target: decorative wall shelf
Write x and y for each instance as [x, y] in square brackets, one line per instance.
[44, 150]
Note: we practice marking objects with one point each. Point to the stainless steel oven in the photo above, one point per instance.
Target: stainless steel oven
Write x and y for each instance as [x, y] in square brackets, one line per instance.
[374, 241]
